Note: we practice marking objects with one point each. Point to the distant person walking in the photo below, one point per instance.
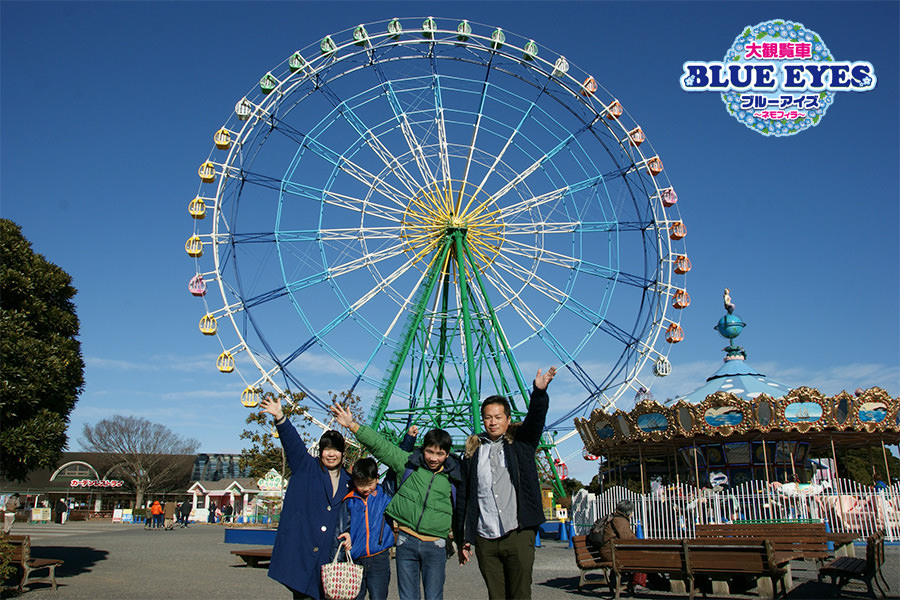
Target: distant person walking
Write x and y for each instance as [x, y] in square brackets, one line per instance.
[9, 516]
[169, 512]
[184, 511]
[61, 509]
[156, 511]
[211, 518]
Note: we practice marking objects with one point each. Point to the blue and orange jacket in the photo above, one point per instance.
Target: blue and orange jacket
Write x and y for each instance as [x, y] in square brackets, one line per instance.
[364, 519]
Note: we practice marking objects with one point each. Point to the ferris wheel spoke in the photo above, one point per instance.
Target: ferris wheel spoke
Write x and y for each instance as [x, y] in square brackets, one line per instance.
[372, 141]
[475, 129]
[403, 121]
[387, 281]
[545, 228]
[525, 116]
[526, 204]
[349, 234]
[442, 128]
[523, 175]
[357, 172]
[351, 203]
[530, 278]
[335, 271]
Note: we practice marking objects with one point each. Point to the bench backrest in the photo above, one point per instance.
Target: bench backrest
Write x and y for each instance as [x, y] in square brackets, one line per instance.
[809, 539]
[21, 547]
[734, 557]
[649, 556]
[585, 553]
[874, 551]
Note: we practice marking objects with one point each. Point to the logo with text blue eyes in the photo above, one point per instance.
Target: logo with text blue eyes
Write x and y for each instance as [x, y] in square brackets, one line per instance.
[778, 78]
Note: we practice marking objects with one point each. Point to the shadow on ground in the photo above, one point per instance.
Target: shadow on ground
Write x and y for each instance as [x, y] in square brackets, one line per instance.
[77, 559]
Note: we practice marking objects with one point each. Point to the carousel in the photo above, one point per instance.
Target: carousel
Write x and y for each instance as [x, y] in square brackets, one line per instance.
[741, 426]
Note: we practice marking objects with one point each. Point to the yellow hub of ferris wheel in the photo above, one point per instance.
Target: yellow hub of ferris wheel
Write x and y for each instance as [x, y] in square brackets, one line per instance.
[434, 211]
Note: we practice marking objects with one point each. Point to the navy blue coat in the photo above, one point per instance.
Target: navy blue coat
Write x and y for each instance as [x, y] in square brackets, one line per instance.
[306, 528]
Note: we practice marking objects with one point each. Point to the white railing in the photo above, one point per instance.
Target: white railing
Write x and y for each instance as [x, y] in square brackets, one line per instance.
[673, 512]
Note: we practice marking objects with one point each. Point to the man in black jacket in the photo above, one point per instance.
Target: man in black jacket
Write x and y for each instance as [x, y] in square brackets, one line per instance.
[499, 506]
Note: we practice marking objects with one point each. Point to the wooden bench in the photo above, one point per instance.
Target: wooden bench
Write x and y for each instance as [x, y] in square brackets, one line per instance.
[842, 570]
[685, 560]
[649, 556]
[808, 540]
[21, 545]
[587, 558]
[253, 556]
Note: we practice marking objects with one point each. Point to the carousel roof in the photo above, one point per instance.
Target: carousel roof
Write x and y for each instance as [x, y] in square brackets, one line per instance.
[738, 403]
[737, 377]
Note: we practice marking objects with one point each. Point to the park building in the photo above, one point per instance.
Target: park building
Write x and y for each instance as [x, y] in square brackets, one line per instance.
[92, 485]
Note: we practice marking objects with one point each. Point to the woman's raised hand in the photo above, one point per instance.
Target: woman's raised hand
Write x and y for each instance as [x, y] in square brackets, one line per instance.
[344, 417]
[273, 407]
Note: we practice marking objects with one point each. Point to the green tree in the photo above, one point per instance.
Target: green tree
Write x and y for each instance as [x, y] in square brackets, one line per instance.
[41, 369]
[149, 456]
[571, 486]
[866, 465]
[265, 451]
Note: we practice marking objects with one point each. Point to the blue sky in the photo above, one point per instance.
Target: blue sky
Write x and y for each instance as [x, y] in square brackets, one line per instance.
[108, 108]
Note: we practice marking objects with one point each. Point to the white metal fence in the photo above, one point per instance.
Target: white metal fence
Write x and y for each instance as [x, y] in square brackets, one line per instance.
[674, 511]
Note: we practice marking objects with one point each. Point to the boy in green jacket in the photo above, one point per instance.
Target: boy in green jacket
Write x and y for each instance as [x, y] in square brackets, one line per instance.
[422, 505]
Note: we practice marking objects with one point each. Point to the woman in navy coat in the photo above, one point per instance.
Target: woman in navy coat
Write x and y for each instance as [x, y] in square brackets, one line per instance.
[309, 514]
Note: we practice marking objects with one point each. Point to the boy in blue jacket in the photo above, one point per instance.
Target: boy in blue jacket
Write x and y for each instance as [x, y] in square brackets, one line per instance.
[362, 529]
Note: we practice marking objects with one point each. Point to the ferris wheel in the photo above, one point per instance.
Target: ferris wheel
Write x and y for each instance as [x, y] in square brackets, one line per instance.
[423, 211]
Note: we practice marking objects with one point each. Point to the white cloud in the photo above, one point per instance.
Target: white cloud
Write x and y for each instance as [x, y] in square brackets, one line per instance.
[152, 363]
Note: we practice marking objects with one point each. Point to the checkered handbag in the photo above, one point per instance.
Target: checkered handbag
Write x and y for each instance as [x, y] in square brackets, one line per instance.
[341, 580]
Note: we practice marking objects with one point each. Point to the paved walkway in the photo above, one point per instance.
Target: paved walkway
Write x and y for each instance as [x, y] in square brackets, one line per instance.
[115, 561]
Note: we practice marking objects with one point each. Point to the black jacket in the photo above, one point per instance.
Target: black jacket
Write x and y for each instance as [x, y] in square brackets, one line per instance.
[519, 447]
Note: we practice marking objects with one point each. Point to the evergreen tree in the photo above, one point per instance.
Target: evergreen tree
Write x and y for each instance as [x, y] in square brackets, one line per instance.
[40, 356]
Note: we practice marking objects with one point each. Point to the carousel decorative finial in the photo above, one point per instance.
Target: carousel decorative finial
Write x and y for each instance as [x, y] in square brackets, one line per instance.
[729, 327]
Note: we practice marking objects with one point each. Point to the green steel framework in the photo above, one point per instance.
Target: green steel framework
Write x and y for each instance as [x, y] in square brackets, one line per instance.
[487, 353]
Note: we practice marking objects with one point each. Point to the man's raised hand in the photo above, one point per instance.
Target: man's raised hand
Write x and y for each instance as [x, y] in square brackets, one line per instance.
[542, 380]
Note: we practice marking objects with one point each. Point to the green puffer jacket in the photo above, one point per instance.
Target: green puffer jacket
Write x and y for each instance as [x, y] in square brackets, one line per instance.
[423, 500]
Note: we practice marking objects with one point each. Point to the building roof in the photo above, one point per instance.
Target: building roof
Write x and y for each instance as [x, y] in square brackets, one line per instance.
[240, 484]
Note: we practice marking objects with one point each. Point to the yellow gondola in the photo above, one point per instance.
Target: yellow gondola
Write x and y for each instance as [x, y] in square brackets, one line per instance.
[250, 397]
[208, 325]
[207, 172]
[225, 362]
[197, 208]
[222, 139]
[194, 247]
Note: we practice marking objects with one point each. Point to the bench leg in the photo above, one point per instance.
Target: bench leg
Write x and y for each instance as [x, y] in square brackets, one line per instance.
[677, 586]
[581, 579]
[765, 587]
[53, 576]
[720, 587]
